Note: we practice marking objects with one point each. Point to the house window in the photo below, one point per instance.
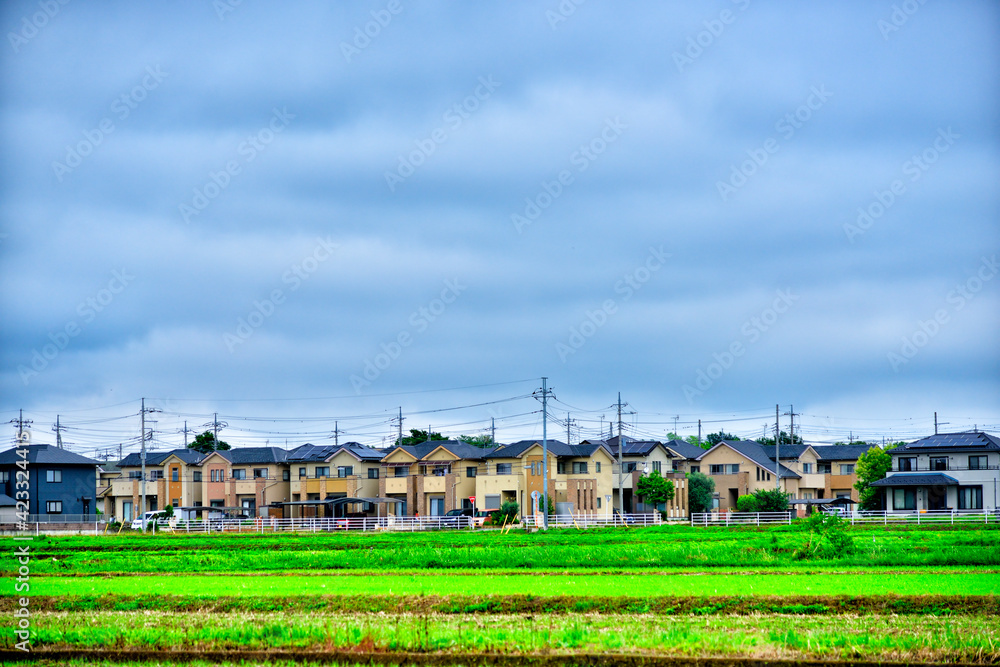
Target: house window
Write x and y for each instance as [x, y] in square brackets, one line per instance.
[503, 468]
[656, 466]
[196, 475]
[807, 468]
[322, 471]
[768, 475]
[597, 466]
[695, 468]
[4, 476]
[302, 473]
[598, 502]
[345, 471]
[630, 466]
[846, 468]
[758, 474]
[135, 474]
[977, 463]
[127, 511]
[176, 502]
[260, 473]
[579, 467]
[216, 474]
[970, 497]
[560, 467]
[939, 463]
[53, 507]
[373, 473]
[470, 471]
[441, 471]
[239, 473]
[823, 468]
[155, 474]
[724, 469]
[400, 471]
[175, 475]
[904, 499]
[54, 476]
[907, 463]
[286, 475]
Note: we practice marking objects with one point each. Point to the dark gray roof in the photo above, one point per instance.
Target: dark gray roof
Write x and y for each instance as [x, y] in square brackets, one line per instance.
[46, 455]
[684, 449]
[969, 440]
[310, 452]
[919, 479]
[248, 455]
[462, 450]
[755, 452]
[556, 447]
[785, 451]
[841, 452]
[185, 454]
[7, 501]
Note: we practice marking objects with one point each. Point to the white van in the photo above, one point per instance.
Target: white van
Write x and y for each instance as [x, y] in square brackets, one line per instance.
[147, 517]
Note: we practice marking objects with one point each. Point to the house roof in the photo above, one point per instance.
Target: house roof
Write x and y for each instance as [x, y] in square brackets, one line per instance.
[788, 451]
[310, 452]
[684, 449]
[558, 448]
[247, 455]
[966, 441]
[7, 501]
[46, 455]
[753, 451]
[185, 454]
[840, 452]
[461, 450]
[919, 479]
[638, 447]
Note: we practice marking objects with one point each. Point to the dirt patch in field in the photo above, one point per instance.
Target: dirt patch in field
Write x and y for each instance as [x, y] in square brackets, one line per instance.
[936, 605]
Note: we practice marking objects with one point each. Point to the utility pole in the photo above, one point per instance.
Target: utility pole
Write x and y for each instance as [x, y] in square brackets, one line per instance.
[215, 430]
[935, 422]
[675, 423]
[777, 443]
[621, 460]
[185, 434]
[400, 425]
[791, 426]
[545, 455]
[336, 433]
[493, 431]
[699, 433]
[142, 458]
[58, 429]
[21, 422]
[568, 423]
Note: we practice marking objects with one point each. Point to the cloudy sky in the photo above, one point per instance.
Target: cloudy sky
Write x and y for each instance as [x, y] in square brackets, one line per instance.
[319, 213]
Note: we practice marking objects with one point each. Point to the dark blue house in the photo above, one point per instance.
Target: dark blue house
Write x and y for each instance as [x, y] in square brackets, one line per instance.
[59, 481]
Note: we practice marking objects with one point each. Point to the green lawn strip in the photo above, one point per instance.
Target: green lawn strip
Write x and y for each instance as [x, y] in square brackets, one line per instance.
[935, 605]
[520, 584]
[968, 639]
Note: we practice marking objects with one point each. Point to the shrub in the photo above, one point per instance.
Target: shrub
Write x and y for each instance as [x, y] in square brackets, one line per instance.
[747, 503]
[828, 538]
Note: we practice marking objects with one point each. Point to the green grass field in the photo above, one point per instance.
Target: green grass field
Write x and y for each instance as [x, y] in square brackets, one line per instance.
[668, 593]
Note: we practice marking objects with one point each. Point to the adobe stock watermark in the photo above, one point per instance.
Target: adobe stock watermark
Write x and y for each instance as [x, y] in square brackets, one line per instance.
[121, 108]
[752, 330]
[957, 299]
[88, 310]
[627, 287]
[263, 310]
[786, 126]
[363, 35]
[223, 7]
[453, 119]
[419, 321]
[913, 169]
[23, 554]
[247, 152]
[35, 23]
[703, 39]
[900, 14]
[562, 12]
[581, 159]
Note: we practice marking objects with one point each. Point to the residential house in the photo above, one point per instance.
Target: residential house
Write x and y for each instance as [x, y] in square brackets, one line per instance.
[685, 455]
[433, 477]
[826, 471]
[172, 478]
[641, 457]
[580, 476]
[59, 481]
[326, 472]
[107, 472]
[740, 467]
[947, 471]
[249, 478]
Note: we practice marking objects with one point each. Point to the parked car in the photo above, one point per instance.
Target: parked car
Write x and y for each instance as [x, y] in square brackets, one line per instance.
[453, 518]
[625, 518]
[484, 516]
[146, 518]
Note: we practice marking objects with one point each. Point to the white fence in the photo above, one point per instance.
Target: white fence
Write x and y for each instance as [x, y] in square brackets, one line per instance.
[741, 518]
[313, 525]
[596, 520]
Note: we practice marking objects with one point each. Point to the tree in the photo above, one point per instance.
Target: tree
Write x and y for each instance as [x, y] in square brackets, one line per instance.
[477, 440]
[700, 490]
[507, 514]
[770, 500]
[871, 467]
[205, 443]
[655, 490]
[715, 438]
[417, 437]
[785, 440]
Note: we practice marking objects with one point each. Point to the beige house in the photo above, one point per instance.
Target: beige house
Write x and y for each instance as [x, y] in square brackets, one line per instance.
[329, 472]
[433, 477]
[580, 477]
[742, 467]
[250, 478]
[172, 478]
